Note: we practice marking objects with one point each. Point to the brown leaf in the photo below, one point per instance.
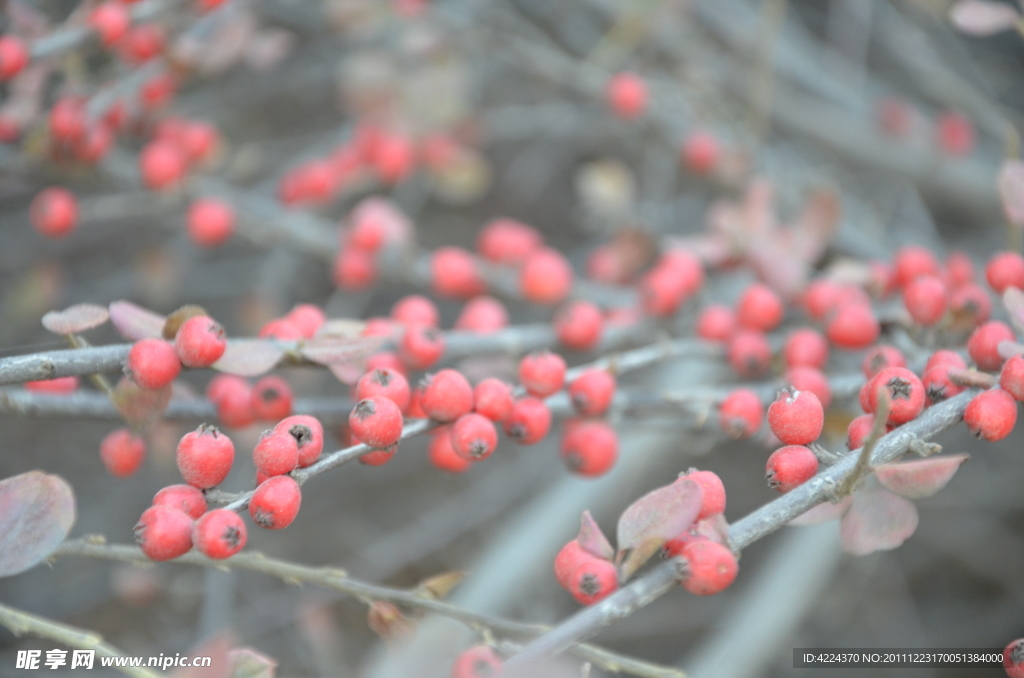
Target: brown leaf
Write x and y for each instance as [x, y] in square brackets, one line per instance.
[592, 540]
[135, 322]
[387, 621]
[249, 357]
[655, 518]
[75, 319]
[175, 319]
[920, 478]
[37, 511]
[138, 405]
[878, 520]
[440, 585]
[822, 513]
[980, 18]
[246, 662]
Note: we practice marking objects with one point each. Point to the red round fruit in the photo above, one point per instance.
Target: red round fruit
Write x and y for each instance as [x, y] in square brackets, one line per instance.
[593, 581]
[200, 341]
[1011, 377]
[111, 21]
[906, 394]
[1005, 269]
[662, 291]
[858, 431]
[387, 383]
[716, 323]
[272, 398]
[153, 363]
[482, 315]
[59, 386]
[219, 534]
[141, 43]
[1013, 659]
[700, 152]
[880, 357]
[740, 413]
[590, 448]
[308, 318]
[442, 455]
[710, 567]
[579, 325]
[162, 165]
[991, 414]
[759, 308]
[275, 503]
[446, 395]
[796, 417]
[309, 436]
[416, 309]
[955, 133]
[474, 437]
[926, 299]
[163, 533]
[937, 384]
[54, 212]
[454, 273]
[67, 121]
[983, 345]
[477, 662]
[276, 453]
[376, 421]
[806, 347]
[943, 357]
[813, 380]
[204, 457]
[493, 399]
[569, 557]
[853, 326]
[122, 452]
[713, 502]
[546, 277]
[210, 222]
[507, 241]
[354, 268]
[972, 302]
[14, 56]
[234, 403]
[186, 498]
[592, 392]
[913, 261]
[528, 422]
[281, 329]
[789, 467]
[959, 270]
[421, 347]
[749, 353]
[542, 373]
[627, 95]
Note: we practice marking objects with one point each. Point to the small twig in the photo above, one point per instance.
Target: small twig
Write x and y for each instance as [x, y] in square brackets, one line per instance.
[863, 465]
[972, 378]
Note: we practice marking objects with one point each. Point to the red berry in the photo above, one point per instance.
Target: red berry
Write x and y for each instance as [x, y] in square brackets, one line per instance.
[377, 457]
[309, 436]
[416, 309]
[605, 264]
[710, 567]
[493, 399]
[542, 373]
[713, 492]
[913, 261]
[590, 448]
[880, 357]
[528, 422]
[387, 383]
[111, 21]
[153, 363]
[94, 144]
[959, 270]
[906, 394]
[477, 662]
[813, 380]
[163, 533]
[740, 413]
[141, 43]
[593, 581]
[186, 498]
[749, 353]
[222, 384]
[806, 347]
[205, 456]
[820, 298]
[158, 91]
[281, 329]
[200, 341]
[937, 384]
[858, 431]
[482, 315]
[122, 452]
[983, 346]
[991, 415]
[1013, 659]
[162, 165]
[210, 222]
[474, 437]
[507, 241]
[662, 291]
[796, 417]
[421, 347]
[442, 455]
[60, 386]
[955, 133]
[686, 267]
[376, 421]
[54, 212]
[569, 557]
[1005, 269]
[700, 152]
[382, 327]
[627, 95]
[592, 392]
[67, 120]
[926, 299]
[759, 308]
[308, 318]
[446, 395]
[234, 403]
[790, 467]
[546, 277]
[272, 398]
[276, 453]
[354, 268]
[972, 302]
[579, 325]
[943, 357]
[853, 326]
[1011, 377]
[275, 503]
[716, 323]
[219, 534]
[454, 273]
[14, 56]
[393, 158]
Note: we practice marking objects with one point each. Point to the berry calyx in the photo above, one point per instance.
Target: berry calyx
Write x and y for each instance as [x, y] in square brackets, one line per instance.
[796, 417]
[275, 503]
[991, 415]
[376, 421]
[163, 533]
[590, 448]
[477, 662]
[445, 395]
[880, 357]
[789, 467]
[219, 534]
[740, 414]
[186, 498]
[906, 394]
[710, 567]
[528, 422]
[153, 363]
[592, 392]
[309, 436]
[749, 353]
[271, 398]
[204, 457]
[593, 581]
[122, 452]
[542, 373]
[200, 341]
[474, 437]
[387, 383]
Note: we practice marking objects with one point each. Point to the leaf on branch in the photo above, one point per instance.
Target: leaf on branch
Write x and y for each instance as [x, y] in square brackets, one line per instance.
[249, 357]
[387, 621]
[75, 319]
[349, 372]
[138, 405]
[440, 585]
[333, 349]
[878, 520]
[981, 18]
[135, 322]
[715, 528]
[920, 478]
[37, 511]
[592, 540]
[246, 662]
[822, 513]
[1013, 300]
[176, 319]
[1011, 190]
[654, 519]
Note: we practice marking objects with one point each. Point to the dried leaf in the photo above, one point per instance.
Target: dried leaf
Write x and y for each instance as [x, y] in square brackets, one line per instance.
[1011, 191]
[631, 560]
[249, 357]
[440, 585]
[75, 319]
[37, 511]
[246, 662]
[715, 528]
[135, 322]
[981, 18]
[1013, 300]
[878, 520]
[341, 327]
[812, 231]
[348, 372]
[655, 518]
[330, 350]
[822, 513]
[387, 621]
[175, 319]
[920, 478]
[592, 540]
[138, 405]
